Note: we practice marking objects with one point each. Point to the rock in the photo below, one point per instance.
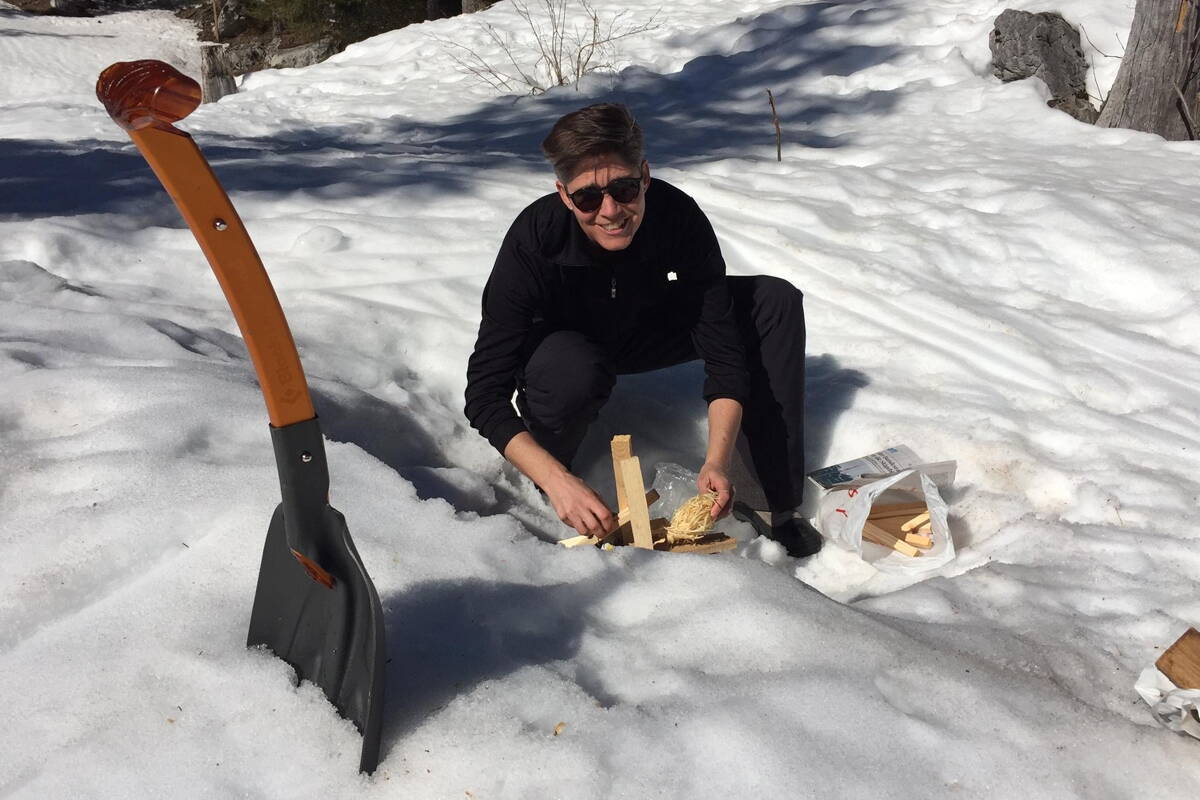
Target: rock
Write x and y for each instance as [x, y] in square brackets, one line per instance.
[1044, 46]
[303, 55]
[249, 56]
[232, 19]
[71, 8]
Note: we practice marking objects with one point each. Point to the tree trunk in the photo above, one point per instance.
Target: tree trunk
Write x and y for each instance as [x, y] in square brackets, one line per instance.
[215, 78]
[437, 9]
[1160, 58]
[471, 6]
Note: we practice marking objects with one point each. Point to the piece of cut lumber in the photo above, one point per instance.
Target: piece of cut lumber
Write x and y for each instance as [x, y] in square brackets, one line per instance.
[622, 448]
[621, 535]
[915, 522]
[920, 540]
[895, 510]
[658, 528]
[576, 541]
[622, 522]
[877, 535]
[709, 544]
[651, 499]
[926, 528]
[1181, 661]
[891, 526]
[639, 514]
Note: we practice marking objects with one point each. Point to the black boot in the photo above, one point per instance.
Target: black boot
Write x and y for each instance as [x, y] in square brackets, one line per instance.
[797, 535]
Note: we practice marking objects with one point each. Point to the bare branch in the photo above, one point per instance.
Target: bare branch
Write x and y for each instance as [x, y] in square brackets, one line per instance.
[778, 129]
[563, 53]
[1094, 47]
[1187, 114]
[1099, 96]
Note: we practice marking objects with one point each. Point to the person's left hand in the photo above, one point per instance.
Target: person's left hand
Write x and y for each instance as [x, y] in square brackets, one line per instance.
[714, 478]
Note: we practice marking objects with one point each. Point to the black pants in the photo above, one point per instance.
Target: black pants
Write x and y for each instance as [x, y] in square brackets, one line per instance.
[568, 378]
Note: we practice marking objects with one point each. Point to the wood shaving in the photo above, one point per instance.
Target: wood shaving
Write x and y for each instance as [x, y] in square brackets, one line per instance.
[693, 519]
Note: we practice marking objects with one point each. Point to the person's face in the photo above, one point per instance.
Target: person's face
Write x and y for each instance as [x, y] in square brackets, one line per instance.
[613, 224]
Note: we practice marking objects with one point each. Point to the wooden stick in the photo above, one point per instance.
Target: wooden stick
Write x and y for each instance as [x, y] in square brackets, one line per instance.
[877, 535]
[706, 545]
[895, 510]
[915, 522]
[891, 526]
[918, 540]
[927, 528]
[651, 499]
[639, 514]
[778, 130]
[622, 448]
[1181, 661]
[622, 520]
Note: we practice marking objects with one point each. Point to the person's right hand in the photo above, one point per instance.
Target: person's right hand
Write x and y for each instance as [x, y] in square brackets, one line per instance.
[578, 505]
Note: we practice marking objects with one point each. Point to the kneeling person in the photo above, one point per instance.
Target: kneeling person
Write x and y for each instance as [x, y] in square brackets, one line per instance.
[618, 273]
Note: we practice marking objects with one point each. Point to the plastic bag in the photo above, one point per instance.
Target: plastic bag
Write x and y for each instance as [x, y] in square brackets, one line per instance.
[843, 512]
[676, 485]
[894, 475]
[1176, 709]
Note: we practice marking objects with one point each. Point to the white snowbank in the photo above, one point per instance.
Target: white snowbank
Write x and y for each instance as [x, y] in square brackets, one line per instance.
[986, 279]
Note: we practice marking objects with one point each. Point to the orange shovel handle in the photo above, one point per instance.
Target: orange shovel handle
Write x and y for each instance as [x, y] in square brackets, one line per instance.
[145, 98]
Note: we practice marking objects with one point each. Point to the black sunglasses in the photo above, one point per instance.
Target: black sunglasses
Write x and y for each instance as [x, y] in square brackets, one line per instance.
[623, 190]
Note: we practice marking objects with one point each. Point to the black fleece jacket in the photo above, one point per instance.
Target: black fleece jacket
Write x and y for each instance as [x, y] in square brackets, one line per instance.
[669, 283]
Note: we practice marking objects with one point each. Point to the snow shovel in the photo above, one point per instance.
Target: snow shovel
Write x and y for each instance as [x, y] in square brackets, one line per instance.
[315, 605]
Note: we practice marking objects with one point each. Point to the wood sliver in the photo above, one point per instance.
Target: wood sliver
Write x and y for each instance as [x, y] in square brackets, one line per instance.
[635, 526]
[903, 527]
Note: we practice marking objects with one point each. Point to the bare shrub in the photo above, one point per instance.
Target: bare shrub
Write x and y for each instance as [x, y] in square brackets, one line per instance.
[550, 50]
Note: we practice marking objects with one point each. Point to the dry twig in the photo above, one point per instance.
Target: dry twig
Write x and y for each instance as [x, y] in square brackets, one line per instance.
[562, 54]
[778, 130]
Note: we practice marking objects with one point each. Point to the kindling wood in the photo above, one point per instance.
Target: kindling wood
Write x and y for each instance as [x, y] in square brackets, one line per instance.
[1181, 661]
[639, 515]
[877, 535]
[634, 525]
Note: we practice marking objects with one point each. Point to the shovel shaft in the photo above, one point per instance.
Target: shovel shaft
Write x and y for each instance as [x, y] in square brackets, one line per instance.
[145, 98]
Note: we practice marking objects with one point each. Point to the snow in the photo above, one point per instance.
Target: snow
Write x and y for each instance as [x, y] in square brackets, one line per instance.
[987, 280]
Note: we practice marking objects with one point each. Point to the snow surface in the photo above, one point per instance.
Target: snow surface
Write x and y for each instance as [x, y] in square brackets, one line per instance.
[987, 280]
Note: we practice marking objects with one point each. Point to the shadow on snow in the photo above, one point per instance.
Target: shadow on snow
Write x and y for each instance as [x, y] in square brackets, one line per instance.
[445, 638]
[713, 108]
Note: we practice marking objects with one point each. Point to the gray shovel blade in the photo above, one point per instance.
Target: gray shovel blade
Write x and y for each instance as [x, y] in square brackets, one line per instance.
[333, 637]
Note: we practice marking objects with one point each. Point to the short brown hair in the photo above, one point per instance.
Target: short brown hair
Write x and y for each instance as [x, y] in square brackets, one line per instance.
[605, 128]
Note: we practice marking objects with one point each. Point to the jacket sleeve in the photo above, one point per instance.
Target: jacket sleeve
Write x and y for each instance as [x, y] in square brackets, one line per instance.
[715, 333]
[510, 303]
